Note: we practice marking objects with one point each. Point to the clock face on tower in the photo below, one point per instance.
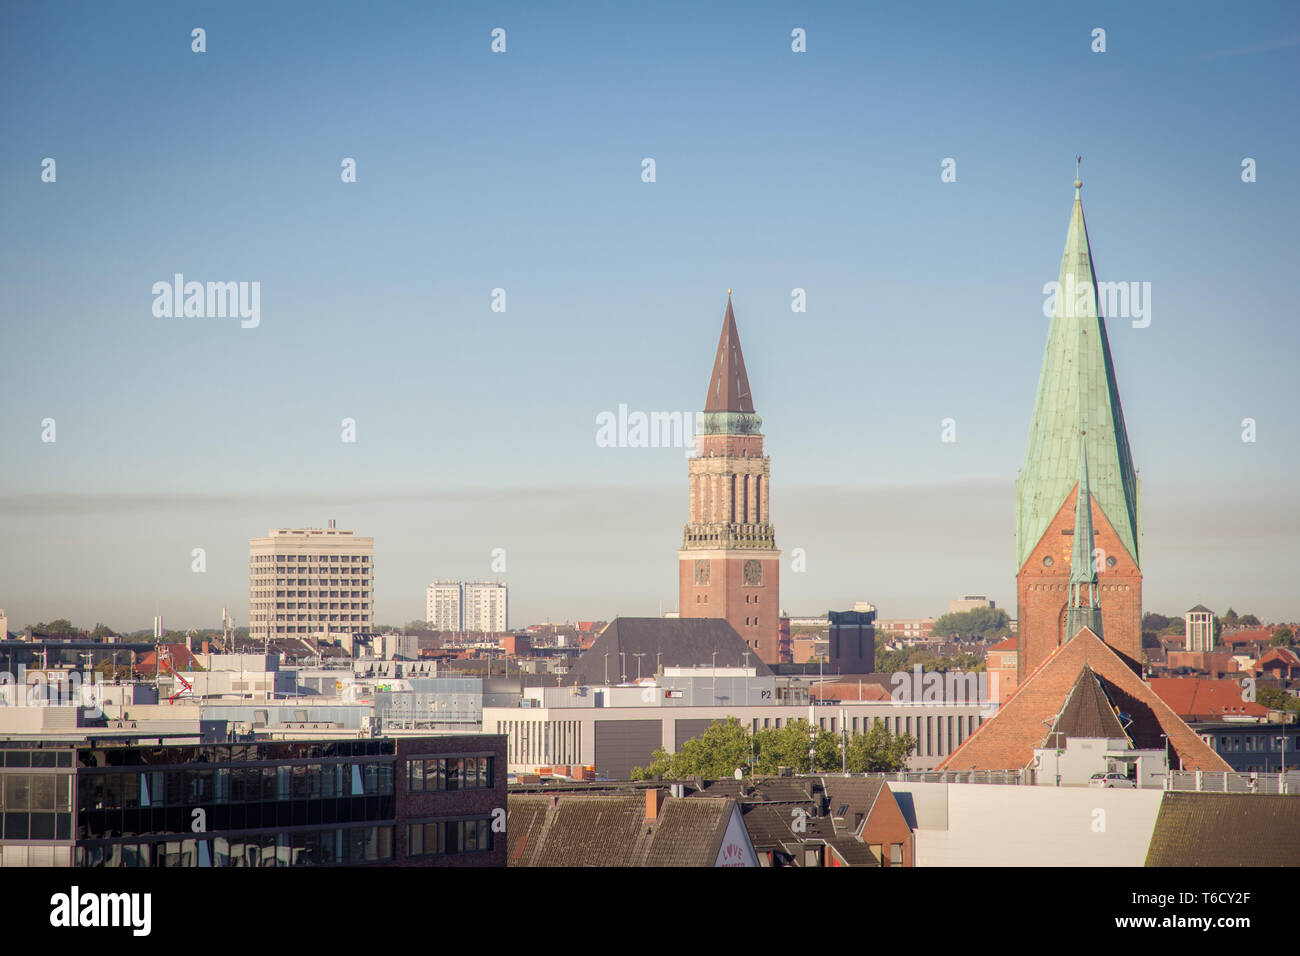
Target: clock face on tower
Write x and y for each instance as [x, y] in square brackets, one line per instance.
[701, 571]
[753, 574]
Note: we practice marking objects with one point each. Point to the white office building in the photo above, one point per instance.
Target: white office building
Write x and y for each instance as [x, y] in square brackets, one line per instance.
[306, 582]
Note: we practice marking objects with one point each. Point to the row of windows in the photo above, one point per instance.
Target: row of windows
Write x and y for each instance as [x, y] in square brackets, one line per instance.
[351, 845]
[321, 617]
[35, 758]
[316, 587]
[146, 821]
[449, 773]
[266, 594]
[311, 559]
[930, 735]
[314, 606]
[234, 753]
[36, 826]
[1253, 743]
[223, 785]
[35, 791]
[444, 837]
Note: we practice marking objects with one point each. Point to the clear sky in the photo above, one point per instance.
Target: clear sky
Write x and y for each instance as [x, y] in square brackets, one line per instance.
[522, 170]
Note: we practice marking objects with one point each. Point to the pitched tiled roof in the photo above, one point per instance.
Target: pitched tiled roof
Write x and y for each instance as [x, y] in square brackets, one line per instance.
[670, 642]
[762, 789]
[854, 852]
[1226, 829]
[1087, 714]
[1195, 698]
[856, 795]
[1246, 637]
[581, 829]
[1007, 741]
[1010, 644]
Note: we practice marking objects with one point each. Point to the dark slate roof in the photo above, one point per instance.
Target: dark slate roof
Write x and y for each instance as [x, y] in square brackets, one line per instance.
[770, 827]
[854, 852]
[729, 384]
[762, 789]
[1226, 829]
[574, 829]
[672, 642]
[1087, 713]
[1200, 608]
[855, 794]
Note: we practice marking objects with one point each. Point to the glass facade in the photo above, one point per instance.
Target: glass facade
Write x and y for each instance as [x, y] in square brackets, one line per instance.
[274, 803]
[449, 773]
[441, 837]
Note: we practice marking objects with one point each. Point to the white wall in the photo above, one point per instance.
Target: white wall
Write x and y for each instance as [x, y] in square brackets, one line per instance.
[967, 824]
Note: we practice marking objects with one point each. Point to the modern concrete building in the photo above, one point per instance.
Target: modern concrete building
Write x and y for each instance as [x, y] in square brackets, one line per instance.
[617, 728]
[468, 606]
[310, 582]
[969, 602]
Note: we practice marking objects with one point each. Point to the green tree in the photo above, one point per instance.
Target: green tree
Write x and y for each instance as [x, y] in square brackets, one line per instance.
[1159, 623]
[983, 622]
[1249, 620]
[1274, 698]
[879, 751]
[1230, 617]
[786, 746]
[713, 755]
[1283, 637]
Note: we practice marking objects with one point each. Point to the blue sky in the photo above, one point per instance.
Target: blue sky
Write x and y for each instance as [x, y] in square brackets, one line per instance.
[522, 171]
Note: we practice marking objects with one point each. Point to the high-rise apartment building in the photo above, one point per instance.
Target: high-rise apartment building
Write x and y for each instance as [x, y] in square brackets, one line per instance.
[443, 606]
[310, 582]
[475, 606]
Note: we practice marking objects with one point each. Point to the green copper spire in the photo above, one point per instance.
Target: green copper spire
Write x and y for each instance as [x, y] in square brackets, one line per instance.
[1077, 383]
[1085, 607]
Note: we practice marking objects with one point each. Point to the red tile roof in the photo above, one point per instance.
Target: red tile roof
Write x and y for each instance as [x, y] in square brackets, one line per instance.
[1246, 637]
[1010, 644]
[1199, 698]
[1008, 740]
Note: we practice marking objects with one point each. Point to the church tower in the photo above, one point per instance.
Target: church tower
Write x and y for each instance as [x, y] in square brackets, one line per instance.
[1077, 460]
[729, 565]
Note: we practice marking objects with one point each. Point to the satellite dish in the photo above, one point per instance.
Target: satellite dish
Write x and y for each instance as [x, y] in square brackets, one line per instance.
[739, 774]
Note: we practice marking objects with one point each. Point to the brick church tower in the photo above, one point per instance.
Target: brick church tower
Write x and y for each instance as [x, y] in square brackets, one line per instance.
[729, 565]
[1078, 452]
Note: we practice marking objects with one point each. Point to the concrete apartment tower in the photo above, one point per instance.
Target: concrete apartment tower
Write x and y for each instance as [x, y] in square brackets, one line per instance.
[729, 565]
[1077, 414]
[310, 582]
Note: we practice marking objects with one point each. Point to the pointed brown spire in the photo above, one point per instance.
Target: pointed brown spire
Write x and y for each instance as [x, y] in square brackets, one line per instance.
[729, 386]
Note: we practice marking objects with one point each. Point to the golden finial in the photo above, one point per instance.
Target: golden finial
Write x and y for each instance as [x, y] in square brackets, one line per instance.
[1077, 181]
[728, 292]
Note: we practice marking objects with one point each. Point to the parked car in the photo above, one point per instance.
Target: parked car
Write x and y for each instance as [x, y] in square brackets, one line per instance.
[1111, 780]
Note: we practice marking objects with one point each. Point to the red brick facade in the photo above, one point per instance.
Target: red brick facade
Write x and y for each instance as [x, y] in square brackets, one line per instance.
[1043, 591]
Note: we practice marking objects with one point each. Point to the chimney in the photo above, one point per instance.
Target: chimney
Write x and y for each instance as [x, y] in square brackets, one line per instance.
[654, 801]
[555, 801]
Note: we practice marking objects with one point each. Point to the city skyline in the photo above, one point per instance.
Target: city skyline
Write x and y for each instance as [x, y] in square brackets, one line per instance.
[474, 428]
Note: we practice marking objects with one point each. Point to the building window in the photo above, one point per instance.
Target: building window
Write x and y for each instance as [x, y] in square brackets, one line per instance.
[447, 837]
[426, 774]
